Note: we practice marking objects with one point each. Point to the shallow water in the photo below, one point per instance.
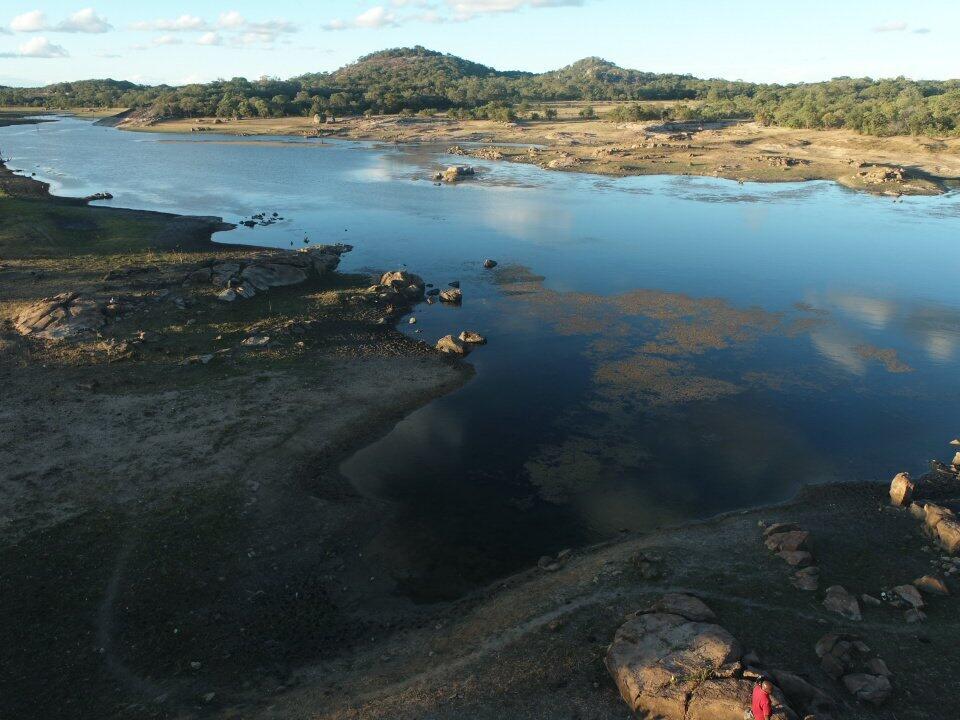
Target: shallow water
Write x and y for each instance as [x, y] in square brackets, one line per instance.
[660, 348]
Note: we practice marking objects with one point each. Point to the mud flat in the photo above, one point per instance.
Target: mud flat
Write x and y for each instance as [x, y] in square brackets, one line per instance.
[743, 151]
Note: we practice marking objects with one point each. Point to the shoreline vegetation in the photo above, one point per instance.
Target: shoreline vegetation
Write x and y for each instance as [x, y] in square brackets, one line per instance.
[178, 542]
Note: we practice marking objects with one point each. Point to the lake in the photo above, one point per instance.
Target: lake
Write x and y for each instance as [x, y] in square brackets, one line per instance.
[660, 348]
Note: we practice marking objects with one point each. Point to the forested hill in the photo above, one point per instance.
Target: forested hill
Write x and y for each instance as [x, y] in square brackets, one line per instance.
[412, 80]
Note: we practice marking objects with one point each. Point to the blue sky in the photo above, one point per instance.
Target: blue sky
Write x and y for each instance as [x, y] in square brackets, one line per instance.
[776, 41]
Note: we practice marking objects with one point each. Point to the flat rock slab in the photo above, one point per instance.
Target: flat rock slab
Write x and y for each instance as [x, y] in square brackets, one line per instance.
[61, 317]
[658, 659]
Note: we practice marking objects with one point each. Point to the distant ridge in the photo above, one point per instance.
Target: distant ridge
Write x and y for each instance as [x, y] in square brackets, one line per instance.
[416, 79]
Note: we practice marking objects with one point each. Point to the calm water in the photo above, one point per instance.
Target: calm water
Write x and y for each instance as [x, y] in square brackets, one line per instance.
[660, 348]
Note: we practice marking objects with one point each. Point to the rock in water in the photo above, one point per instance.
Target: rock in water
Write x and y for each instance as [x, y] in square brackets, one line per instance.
[452, 346]
[407, 283]
[838, 600]
[472, 338]
[489, 264]
[901, 490]
[453, 296]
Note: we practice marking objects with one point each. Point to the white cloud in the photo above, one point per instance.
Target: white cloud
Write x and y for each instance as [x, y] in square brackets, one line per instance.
[231, 20]
[33, 21]
[891, 26]
[376, 17]
[167, 40]
[210, 38]
[184, 23]
[84, 21]
[37, 47]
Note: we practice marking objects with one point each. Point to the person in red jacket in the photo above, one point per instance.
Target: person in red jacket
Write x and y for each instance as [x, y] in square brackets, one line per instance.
[761, 706]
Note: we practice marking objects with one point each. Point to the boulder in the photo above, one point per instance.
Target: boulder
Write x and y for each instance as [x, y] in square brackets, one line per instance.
[60, 317]
[264, 276]
[807, 579]
[935, 514]
[874, 689]
[917, 511]
[452, 346]
[931, 585]
[720, 699]
[777, 528]
[910, 595]
[658, 659]
[797, 558]
[686, 606]
[227, 295]
[791, 540]
[489, 264]
[452, 296]
[838, 600]
[457, 172]
[878, 667]
[223, 273]
[914, 615]
[948, 532]
[256, 341]
[473, 338]
[901, 490]
[406, 283]
[244, 292]
[801, 694]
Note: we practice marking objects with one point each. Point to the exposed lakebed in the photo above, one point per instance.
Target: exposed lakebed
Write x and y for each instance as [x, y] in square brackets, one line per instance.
[660, 348]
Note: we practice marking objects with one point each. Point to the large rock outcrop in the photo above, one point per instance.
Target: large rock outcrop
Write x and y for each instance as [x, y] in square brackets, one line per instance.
[60, 317]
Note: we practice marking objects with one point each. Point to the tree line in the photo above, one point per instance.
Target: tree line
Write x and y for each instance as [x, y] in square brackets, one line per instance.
[417, 80]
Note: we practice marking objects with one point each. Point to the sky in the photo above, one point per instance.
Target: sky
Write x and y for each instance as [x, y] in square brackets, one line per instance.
[181, 42]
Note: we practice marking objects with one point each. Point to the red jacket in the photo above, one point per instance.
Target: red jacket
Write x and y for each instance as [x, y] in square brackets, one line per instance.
[761, 704]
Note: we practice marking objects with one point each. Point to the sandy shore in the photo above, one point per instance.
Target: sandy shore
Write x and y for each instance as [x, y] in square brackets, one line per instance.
[736, 151]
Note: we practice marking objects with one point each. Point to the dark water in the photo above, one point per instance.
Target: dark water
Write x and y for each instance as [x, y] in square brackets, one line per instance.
[661, 348]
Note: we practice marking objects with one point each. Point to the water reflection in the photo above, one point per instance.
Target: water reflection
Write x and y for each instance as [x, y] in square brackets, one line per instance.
[660, 348]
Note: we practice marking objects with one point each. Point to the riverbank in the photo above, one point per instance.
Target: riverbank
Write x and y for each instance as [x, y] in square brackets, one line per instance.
[736, 151]
[169, 491]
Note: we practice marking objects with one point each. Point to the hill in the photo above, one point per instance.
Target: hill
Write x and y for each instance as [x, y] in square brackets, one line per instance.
[416, 79]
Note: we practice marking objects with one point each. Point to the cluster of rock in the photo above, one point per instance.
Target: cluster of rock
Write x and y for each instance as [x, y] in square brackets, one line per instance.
[261, 219]
[846, 658]
[674, 662]
[878, 175]
[793, 545]
[781, 160]
[62, 316]
[244, 278]
[98, 196]
[939, 522]
[454, 173]
[460, 345]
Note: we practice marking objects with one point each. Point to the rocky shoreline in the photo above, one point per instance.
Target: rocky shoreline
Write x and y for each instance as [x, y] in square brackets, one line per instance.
[741, 151]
